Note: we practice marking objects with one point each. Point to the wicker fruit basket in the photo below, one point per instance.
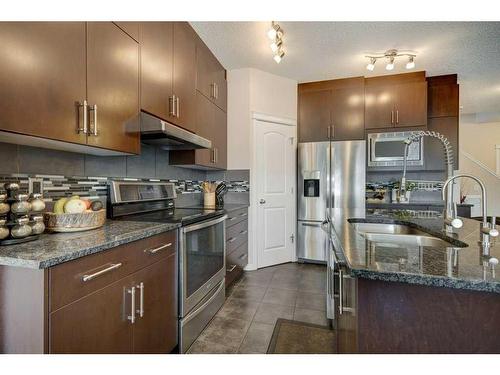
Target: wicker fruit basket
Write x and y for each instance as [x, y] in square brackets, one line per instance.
[74, 222]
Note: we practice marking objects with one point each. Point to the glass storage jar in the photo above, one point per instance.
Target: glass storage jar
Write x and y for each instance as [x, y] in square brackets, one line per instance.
[37, 203]
[4, 231]
[21, 229]
[22, 206]
[37, 225]
[4, 206]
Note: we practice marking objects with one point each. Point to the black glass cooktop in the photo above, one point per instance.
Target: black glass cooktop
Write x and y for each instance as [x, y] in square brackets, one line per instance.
[184, 216]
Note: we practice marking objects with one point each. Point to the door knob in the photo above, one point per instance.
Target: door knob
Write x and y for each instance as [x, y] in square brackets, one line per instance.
[262, 201]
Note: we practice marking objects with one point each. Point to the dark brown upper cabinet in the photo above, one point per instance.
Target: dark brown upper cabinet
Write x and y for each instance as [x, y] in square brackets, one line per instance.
[168, 72]
[211, 123]
[396, 101]
[443, 96]
[112, 88]
[52, 70]
[43, 79]
[210, 76]
[331, 110]
[156, 68]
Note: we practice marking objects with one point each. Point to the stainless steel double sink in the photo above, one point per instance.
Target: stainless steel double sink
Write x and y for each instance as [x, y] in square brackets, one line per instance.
[398, 234]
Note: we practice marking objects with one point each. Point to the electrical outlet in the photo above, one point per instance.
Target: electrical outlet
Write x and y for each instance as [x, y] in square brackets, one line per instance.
[35, 185]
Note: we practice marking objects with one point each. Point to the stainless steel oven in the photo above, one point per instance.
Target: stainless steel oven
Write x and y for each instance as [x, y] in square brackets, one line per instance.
[202, 271]
[387, 150]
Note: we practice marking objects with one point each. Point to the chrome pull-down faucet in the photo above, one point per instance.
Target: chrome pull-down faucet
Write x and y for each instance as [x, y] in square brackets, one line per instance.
[451, 221]
[488, 230]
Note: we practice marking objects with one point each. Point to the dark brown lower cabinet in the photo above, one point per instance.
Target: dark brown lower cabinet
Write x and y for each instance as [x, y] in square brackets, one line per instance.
[392, 317]
[236, 244]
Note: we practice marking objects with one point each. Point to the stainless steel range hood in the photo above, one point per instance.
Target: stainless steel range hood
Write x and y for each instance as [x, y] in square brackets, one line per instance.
[169, 136]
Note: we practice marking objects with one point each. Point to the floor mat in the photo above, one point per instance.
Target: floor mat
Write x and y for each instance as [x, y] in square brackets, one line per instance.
[292, 337]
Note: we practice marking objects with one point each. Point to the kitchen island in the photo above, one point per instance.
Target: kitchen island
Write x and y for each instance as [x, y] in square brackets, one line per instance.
[399, 298]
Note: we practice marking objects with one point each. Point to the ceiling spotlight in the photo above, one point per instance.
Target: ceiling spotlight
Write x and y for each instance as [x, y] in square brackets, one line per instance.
[273, 31]
[279, 55]
[390, 64]
[371, 64]
[410, 64]
[275, 46]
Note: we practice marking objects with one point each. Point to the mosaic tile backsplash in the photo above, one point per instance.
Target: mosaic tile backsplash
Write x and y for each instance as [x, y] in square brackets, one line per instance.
[55, 187]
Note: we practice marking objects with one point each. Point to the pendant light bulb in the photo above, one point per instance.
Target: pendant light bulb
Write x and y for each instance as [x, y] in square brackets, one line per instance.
[275, 46]
[390, 64]
[371, 64]
[278, 56]
[411, 63]
[272, 33]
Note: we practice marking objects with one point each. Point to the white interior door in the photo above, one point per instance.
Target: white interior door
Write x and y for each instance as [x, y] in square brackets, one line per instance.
[275, 147]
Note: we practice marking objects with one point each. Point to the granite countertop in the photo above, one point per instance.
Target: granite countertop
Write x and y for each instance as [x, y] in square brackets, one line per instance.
[53, 249]
[453, 267]
[229, 207]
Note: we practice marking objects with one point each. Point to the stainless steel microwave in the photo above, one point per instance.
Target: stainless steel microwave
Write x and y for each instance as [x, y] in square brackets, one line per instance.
[387, 150]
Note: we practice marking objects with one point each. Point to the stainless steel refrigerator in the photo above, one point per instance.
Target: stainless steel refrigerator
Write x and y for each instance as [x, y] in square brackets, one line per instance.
[330, 175]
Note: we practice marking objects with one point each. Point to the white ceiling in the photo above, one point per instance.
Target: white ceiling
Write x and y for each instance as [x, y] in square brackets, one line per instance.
[327, 50]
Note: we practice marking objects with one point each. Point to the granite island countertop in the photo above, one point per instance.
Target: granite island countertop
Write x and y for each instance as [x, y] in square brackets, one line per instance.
[453, 266]
[53, 249]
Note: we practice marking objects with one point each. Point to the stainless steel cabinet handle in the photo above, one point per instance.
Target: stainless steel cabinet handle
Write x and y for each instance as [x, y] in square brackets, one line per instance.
[231, 218]
[171, 106]
[177, 107]
[155, 250]
[84, 129]
[94, 109]
[216, 154]
[243, 214]
[397, 116]
[310, 225]
[328, 132]
[243, 256]
[262, 201]
[212, 90]
[244, 232]
[101, 272]
[232, 239]
[332, 132]
[131, 317]
[140, 311]
[231, 269]
[216, 91]
[392, 117]
[341, 292]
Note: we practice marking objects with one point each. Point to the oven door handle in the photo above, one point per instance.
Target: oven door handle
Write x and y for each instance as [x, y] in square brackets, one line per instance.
[195, 313]
[204, 224]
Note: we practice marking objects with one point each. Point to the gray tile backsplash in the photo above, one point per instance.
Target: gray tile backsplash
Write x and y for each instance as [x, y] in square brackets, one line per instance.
[66, 173]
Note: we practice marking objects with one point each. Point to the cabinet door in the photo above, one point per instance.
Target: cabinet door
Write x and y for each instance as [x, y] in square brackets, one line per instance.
[411, 104]
[348, 113]
[156, 331]
[43, 79]
[156, 67]
[220, 138]
[184, 82]
[314, 115]
[221, 93]
[96, 323]
[206, 70]
[379, 107]
[113, 86]
[205, 118]
[347, 321]
[443, 100]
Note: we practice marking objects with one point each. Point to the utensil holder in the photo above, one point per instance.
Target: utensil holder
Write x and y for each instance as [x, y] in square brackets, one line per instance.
[209, 200]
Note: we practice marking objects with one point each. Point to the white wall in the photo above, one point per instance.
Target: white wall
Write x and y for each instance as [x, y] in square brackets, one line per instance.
[251, 90]
[479, 140]
[254, 91]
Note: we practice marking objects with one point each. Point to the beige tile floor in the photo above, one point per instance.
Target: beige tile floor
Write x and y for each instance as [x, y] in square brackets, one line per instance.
[246, 321]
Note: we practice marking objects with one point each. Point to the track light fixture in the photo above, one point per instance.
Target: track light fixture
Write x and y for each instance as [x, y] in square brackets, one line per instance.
[275, 33]
[391, 55]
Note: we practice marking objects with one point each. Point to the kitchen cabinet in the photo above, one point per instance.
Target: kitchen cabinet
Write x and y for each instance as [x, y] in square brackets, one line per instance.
[395, 105]
[51, 70]
[331, 110]
[112, 88]
[168, 71]
[43, 79]
[156, 68]
[86, 305]
[210, 76]
[236, 244]
[211, 123]
[443, 96]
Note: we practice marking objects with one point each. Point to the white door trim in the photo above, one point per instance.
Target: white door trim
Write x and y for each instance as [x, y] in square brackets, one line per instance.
[273, 119]
[252, 211]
